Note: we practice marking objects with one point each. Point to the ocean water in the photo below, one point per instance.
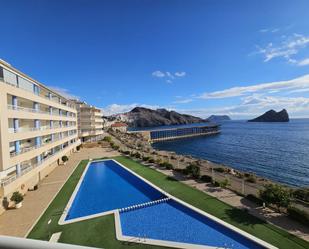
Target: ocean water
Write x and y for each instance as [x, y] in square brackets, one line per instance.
[278, 151]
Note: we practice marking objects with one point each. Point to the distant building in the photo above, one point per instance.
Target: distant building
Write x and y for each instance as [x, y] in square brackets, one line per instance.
[119, 126]
[90, 122]
[37, 127]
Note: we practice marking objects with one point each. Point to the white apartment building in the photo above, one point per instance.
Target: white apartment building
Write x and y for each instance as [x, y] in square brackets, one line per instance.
[90, 122]
[37, 127]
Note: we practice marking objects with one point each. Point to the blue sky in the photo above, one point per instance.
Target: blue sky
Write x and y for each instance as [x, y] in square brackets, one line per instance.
[199, 57]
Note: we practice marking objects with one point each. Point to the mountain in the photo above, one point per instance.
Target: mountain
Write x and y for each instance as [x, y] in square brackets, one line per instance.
[144, 117]
[272, 116]
[218, 118]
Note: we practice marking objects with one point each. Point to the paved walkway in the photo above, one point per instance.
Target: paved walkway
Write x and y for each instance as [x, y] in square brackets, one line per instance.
[235, 200]
[17, 222]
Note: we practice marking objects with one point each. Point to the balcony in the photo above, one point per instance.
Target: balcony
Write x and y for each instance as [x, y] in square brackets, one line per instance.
[27, 167]
[31, 110]
[31, 148]
[26, 129]
[28, 86]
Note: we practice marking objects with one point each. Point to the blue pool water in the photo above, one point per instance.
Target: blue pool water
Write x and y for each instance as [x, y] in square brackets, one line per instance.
[172, 221]
[107, 186]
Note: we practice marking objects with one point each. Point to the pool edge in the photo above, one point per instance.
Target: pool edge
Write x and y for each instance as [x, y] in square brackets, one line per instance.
[118, 228]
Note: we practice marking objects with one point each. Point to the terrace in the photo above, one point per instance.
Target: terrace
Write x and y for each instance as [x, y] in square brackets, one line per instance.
[95, 236]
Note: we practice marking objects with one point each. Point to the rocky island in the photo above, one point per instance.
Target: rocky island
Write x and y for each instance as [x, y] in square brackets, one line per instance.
[272, 116]
[218, 118]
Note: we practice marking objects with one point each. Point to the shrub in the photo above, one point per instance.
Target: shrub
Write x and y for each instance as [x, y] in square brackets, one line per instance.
[126, 152]
[224, 183]
[251, 178]
[194, 170]
[115, 147]
[137, 155]
[219, 169]
[145, 158]
[302, 194]
[247, 174]
[277, 195]
[17, 197]
[151, 160]
[107, 139]
[206, 178]
[64, 158]
[298, 215]
[216, 184]
[254, 199]
[159, 161]
[78, 148]
[167, 165]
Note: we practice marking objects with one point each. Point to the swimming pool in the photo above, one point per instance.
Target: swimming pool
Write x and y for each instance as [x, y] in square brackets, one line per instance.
[172, 221]
[105, 187]
[146, 214]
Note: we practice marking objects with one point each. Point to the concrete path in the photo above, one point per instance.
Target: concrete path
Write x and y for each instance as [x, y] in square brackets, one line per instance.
[17, 222]
[235, 200]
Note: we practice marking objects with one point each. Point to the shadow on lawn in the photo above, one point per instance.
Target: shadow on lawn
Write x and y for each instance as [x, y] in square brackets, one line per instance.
[242, 217]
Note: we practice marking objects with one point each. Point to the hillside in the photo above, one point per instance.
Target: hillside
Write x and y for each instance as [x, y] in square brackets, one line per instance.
[144, 117]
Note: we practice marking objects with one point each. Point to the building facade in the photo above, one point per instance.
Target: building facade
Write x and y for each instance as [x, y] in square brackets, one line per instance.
[37, 127]
[119, 126]
[90, 122]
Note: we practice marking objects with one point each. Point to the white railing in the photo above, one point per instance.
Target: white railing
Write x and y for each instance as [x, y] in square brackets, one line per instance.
[43, 128]
[26, 167]
[26, 149]
[42, 96]
[32, 110]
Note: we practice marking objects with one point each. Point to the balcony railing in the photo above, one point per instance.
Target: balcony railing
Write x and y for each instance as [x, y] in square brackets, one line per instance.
[32, 110]
[42, 96]
[12, 130]
[26, 167]
[26, 149]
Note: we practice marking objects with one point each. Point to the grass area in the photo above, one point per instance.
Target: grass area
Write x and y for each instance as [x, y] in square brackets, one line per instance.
[102, 229]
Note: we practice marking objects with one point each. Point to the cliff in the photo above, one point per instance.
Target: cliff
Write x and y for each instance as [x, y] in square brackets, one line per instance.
[144, 117]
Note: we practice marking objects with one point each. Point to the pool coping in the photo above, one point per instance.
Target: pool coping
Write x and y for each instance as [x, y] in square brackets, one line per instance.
[132, 239]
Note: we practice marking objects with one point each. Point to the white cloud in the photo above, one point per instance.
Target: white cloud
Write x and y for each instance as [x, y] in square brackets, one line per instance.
[294, 84]
[286, 49]
[64, 92]
[180, 74]
[158, 74]
[252, 106]
[274, 30]
[183, 101]
[170, 77]
[303, 62]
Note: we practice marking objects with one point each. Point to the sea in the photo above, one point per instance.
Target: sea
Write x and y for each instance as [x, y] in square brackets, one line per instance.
[277, 151]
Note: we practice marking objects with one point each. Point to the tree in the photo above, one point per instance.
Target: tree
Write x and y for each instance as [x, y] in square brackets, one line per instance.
[193, 170]
[277, 195]
[107, 139]
[17, 197]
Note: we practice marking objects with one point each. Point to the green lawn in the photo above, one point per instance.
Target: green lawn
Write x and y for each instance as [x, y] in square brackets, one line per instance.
[100, 232]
